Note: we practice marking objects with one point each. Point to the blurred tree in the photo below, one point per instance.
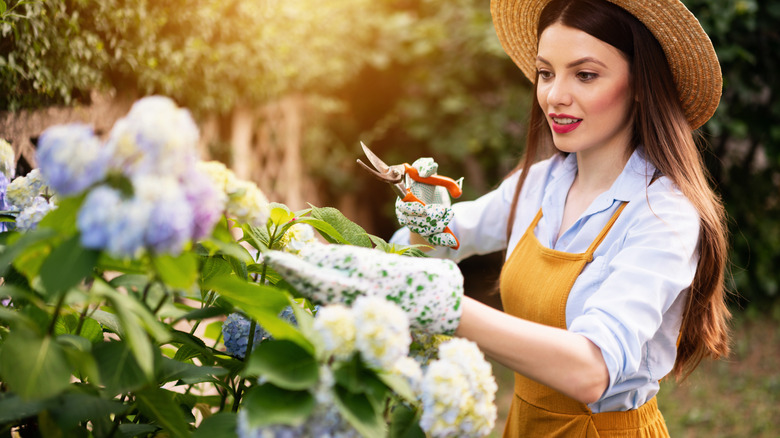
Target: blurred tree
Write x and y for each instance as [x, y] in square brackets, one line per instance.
[745, 137]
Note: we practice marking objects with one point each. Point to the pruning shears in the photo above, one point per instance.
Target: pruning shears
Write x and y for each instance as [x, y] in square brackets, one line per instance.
[399, 175]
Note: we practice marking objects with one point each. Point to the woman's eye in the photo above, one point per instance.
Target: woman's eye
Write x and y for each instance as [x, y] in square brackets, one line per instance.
[586, 76]
[544, 74]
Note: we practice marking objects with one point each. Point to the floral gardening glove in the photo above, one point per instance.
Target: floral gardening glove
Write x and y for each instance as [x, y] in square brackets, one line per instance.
[427, 220]
[429, 290]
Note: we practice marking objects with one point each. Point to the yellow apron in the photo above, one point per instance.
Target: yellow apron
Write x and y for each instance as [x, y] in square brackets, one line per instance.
[535, 285]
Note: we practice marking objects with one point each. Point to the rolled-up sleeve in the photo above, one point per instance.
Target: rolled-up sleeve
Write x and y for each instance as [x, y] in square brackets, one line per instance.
[642, 279]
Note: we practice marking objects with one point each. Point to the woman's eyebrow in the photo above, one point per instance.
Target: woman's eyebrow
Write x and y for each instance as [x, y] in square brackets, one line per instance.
[575, 63]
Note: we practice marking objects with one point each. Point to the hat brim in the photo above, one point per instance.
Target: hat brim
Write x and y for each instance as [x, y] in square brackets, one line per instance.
[688, 49]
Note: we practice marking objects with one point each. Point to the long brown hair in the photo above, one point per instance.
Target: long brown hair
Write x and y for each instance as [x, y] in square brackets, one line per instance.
[660, 126]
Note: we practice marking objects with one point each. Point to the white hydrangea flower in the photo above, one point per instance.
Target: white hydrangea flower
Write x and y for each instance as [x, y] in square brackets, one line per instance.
[458, 392]
[71, 158]
[384, 336]
[298, 236]
[23, 190]
[335, 325]
[247, 203]
[32, 214]
[156, 137]
[7, 159]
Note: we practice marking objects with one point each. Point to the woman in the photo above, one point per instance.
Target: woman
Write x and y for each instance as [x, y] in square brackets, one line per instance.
[616, 244]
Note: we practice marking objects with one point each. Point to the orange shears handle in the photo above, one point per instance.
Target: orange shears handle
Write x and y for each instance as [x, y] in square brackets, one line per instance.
[436, 180]
[411, 198]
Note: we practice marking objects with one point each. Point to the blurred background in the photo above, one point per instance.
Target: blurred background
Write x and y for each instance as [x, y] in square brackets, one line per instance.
[284, 91]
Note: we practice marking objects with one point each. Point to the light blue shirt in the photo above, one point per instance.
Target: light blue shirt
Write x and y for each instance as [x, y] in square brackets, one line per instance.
[629, 299]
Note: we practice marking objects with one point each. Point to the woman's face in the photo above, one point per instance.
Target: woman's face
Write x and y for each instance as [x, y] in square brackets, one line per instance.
[583, 89]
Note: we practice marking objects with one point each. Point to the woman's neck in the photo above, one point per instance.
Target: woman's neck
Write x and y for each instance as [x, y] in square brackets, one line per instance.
[597, 170]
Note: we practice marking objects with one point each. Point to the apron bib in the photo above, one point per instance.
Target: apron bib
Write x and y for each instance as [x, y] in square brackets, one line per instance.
[535, 285]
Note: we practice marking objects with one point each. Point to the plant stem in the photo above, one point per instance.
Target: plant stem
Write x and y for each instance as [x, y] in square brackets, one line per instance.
[57, 310]
[82, 317]
[160, 304]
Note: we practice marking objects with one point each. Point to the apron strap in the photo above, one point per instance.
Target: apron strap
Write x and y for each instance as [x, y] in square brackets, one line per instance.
[596, 242]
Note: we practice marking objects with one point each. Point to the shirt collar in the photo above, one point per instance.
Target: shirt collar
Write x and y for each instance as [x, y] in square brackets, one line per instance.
[635, 177]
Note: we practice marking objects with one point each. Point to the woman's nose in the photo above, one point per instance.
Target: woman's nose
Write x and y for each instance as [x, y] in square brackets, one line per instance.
[558, 93]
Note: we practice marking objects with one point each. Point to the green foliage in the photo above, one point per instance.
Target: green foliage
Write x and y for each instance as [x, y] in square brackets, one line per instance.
[91, 345]
[745, 138]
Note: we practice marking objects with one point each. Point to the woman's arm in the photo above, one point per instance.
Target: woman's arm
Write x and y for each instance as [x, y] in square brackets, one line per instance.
[565, 361]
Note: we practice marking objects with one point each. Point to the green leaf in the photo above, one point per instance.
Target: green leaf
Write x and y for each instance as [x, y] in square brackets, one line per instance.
[268, 404]
[405, 423]
[399, 385]
[214, 266]
[222, 425]
[72, 408]
[90, 329]
[352, 232]
[19, 243]
[14, 408]
[326, 230]
[230, 249]
[180, 272]
[262, 303]
[34, 367]
[361, 413]
[119, 371]
[173, 370]
[280, 214]
[159, 405]
[63, 218]
[3, 7]
[130, 430]
[285, 364]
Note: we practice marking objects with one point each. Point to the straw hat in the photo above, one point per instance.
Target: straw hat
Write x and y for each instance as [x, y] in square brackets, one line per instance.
[688, 50]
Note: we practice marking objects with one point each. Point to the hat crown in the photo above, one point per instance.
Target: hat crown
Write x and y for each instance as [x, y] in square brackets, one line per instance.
[689, 51]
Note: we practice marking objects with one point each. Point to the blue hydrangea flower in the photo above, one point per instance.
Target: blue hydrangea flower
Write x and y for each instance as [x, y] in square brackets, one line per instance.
[235, 334]
[235, 331]
[29, 217]
[21, 192]
[155, 138]
[107, 221]
[71, 158]
[169, 225]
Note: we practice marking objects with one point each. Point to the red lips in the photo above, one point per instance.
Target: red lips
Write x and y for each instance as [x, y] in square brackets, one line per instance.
[563, 128]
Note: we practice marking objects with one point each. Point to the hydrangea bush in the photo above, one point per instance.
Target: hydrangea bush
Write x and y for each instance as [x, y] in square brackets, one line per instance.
[127, 304]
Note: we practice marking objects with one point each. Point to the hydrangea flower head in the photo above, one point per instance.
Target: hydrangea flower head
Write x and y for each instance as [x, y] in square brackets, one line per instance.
[71, 158]
[384, 336]
[298, 236]
[169, 225]
[247, 203]
[32, 214]
[465, 408]
[7, 166]
[336, 327]
[445, 395]
[235, 334]
[156, 137]
[23, 190]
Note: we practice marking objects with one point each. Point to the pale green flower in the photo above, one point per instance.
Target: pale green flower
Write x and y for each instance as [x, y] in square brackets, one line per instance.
[22, 191]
